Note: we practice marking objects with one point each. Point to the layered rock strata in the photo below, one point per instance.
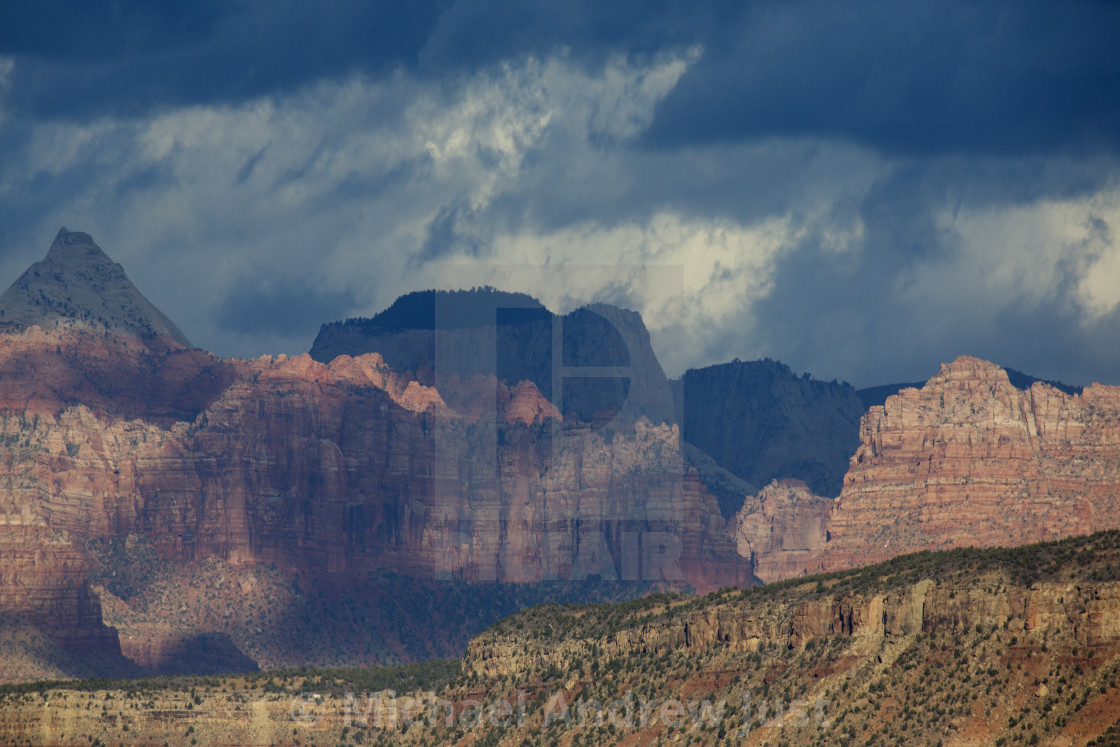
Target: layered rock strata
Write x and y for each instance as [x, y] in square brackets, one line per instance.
[1082, 614]
[43, 581]
[343, 466]
[969, 459]
[783, 529]
[346, 469]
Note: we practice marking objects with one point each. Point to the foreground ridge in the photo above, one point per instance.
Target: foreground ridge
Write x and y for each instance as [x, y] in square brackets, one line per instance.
[969, 646]
[963, 646]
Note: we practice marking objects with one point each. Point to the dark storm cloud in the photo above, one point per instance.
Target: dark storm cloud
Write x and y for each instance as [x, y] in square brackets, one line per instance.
[800, 157]
[74, 31]
[279, 306]
[907, 77]
[77, 59]
[446, 233]
[913, 77]
[856, 315]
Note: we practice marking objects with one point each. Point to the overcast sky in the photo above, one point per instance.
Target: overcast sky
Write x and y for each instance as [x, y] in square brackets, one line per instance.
[861, 190]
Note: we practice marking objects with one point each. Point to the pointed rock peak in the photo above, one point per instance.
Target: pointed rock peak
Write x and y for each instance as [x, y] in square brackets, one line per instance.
[75, 245]
[77, 284]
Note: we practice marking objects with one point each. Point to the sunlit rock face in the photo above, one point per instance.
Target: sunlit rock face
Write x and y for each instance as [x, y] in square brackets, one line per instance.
[349, 468]
[969, 459]
[783, 529]
[115, 431]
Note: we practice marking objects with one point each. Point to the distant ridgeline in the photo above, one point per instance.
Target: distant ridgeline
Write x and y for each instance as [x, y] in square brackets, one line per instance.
[457, 309]
[762, 422]
[594, 363]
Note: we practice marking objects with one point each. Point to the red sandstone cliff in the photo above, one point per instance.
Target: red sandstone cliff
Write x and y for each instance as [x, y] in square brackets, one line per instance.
[112, 427]
[968, 459]
[337, 468]
[340, 469]
[783, 529]
[971, 460]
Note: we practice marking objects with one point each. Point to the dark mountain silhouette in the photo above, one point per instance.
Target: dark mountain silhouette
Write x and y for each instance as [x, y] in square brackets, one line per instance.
[595, 363]
[762, 422]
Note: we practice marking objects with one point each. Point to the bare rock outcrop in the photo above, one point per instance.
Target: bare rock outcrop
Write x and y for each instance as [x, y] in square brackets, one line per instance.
[1081, 614]
[343, 469]
[969, 459]
[43, 582]
[783, 529]
[112, 426]
[46, 370]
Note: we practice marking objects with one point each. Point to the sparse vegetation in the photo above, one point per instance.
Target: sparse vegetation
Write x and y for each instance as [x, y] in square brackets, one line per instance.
[971, 670]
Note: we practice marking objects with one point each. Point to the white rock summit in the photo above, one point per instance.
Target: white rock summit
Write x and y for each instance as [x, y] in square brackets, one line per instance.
[78, 284]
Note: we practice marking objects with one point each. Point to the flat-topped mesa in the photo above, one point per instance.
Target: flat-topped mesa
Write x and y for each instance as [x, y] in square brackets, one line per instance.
[77, 284]
[596, 363]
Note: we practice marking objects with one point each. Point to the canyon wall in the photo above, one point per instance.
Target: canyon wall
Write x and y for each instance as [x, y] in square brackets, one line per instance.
[335, 470]
[783, 529]
[967, 460]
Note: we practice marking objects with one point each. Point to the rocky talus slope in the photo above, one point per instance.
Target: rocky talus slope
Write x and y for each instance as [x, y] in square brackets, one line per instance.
[76, 331]
[965, 647]
[77, 284]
